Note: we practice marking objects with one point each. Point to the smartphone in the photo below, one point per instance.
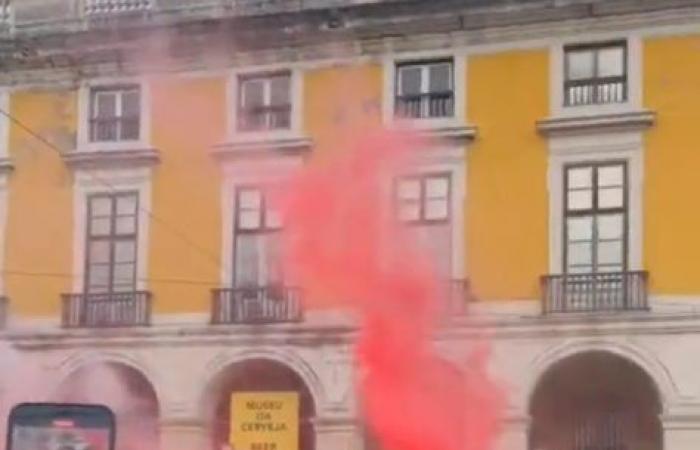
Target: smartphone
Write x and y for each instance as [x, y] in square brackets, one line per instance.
[57, 426]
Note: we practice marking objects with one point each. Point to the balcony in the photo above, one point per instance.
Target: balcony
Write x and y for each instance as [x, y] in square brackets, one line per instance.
[118, 309]
[595, 292]
[425, 106]
[256, 305]
[599, 91]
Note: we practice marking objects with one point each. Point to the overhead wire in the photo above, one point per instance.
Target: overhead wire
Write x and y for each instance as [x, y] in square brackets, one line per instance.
[154, 218]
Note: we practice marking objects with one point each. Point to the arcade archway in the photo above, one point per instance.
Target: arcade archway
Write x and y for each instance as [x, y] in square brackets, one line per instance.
[257, 378]
[595, 401]
[127, 392]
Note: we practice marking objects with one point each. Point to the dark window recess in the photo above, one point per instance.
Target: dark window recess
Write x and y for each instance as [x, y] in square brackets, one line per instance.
[596, 275]
[423, 205]
[595, 74]
[111, 244]
[260, 293]
[264, 102]
[424, 89]
[595, 213]
[115, 114]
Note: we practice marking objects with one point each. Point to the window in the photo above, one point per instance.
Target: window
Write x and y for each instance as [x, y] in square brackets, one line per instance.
[264, 102]
[423, 206]
[595, 74]
[256, 252]
[425, 89]
[111, 243]
[595, 210]
[115, 114]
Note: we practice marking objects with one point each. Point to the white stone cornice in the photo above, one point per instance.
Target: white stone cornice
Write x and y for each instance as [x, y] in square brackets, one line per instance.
[625, 121]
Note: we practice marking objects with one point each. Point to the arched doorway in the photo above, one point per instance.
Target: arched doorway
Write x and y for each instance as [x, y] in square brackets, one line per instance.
[595, 401]
[257, 377]
[127, 392]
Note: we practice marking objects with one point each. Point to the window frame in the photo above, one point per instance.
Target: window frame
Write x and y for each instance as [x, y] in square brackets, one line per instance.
[119, 90]
[111, 238]
[595, 211]
[425, 64]
[267, 108]
[422, 178]
[596, 80]
[263, 229]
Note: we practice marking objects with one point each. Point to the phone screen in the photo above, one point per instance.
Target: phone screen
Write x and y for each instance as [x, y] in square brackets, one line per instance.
[60, 427]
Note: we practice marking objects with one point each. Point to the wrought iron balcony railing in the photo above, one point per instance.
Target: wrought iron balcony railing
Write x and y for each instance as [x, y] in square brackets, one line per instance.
[591, 292]
[118, 309]
[256, 305]
[425, 106]
[598, 91]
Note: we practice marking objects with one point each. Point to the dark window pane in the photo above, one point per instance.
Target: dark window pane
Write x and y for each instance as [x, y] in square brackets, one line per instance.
[126, 205]
[105, 105]
[580, 200]
[125, 251]
[611, 197]
[100, 226]
[279, 90]
[611, 62]
[131, 104]
[99, 251]
[410, 80]
[126, 225]
[580, 64]
[610, 176]
[100, 206]
[252, 93]
[247, 260]
[440, 78]
[124, 279]
[611, 226]
[580, 228]
[580, 177]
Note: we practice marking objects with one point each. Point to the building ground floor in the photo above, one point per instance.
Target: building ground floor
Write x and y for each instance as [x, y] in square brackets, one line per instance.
[618, 381]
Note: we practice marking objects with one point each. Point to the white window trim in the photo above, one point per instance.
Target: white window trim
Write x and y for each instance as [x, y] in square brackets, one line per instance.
[4, 181]
[634, 77]
[452, 161]
[95, 182]
[296, 96]
[84, 114]
[459, 71]
[624, 147]
[253, 173]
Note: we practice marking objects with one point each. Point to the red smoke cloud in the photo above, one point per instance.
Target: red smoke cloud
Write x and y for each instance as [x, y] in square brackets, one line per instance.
[342, 244]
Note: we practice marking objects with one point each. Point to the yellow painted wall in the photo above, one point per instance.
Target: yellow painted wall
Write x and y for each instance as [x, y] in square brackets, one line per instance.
[507, 200]
[188, 116]
[40, 214]
[341, 100]
[672, 164]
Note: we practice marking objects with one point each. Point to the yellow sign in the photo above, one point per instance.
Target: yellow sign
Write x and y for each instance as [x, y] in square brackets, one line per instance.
[264, 421]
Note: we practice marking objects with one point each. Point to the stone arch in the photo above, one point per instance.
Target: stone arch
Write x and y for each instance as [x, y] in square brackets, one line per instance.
[74, 362]
[251, 372]
[660, 375]
[120, 384]
[310, 377]
[595, 399]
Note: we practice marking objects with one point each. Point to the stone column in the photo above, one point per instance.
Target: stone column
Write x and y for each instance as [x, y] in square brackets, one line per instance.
[183, 434]
[336, 434]
[680, 432]
[514, 434]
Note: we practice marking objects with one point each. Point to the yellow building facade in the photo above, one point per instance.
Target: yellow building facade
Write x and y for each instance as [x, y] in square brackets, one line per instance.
[558, 193]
